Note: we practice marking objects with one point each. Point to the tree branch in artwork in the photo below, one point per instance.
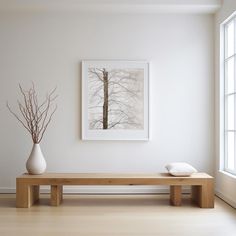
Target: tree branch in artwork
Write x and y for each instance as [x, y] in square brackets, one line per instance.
[115, 98]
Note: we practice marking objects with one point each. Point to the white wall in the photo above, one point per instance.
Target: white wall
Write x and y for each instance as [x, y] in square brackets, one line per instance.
[48, 47]
[225, 183]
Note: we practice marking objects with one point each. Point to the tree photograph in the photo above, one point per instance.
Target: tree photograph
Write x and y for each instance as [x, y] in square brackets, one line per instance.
[115, 98]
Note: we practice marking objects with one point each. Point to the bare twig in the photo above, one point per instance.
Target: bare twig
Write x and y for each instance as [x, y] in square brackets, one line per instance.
[34, 117]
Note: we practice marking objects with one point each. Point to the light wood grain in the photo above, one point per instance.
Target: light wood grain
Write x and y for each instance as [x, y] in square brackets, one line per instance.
[112, 179]
[207, 194]
[176, 195]
[56, 195]
[119, 215]
[27, 194]
[204, 195]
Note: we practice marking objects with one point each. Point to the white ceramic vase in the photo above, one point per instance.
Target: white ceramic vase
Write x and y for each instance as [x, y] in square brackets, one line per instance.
[36, 164]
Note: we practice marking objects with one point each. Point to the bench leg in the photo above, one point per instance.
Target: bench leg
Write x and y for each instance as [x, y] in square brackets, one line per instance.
[175, 195]
[35, 192]
[203, 195]
[195, 194]
[26, 195]
[56, 195]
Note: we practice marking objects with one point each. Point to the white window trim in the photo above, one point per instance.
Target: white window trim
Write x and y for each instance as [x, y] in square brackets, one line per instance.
[223, 95]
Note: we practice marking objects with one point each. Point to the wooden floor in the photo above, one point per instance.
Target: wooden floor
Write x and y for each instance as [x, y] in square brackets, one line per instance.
[118, 215]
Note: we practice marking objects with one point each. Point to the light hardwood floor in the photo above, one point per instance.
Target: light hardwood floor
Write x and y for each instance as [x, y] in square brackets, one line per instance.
[118, 215]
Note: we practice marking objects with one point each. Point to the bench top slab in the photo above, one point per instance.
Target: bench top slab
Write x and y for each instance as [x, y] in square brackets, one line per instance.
[113, 179]
[112, 175]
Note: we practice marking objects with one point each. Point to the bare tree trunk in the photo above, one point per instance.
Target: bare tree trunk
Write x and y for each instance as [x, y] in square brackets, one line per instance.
[105, 103]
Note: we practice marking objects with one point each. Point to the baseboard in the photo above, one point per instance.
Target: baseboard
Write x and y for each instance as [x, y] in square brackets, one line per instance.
[230, 201]
[104, 189]
[7, 190]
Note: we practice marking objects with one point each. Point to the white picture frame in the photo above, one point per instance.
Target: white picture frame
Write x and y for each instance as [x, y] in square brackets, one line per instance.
[115, 100]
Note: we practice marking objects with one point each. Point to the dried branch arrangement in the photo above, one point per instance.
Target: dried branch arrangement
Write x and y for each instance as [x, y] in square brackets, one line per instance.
[34, 116]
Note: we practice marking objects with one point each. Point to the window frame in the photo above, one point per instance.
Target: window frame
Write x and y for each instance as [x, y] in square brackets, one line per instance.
[226, 95]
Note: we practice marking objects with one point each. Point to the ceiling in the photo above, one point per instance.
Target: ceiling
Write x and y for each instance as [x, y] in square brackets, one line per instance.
[121, 6]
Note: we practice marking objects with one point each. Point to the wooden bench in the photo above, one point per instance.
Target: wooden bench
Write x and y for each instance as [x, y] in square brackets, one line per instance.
[28, 186]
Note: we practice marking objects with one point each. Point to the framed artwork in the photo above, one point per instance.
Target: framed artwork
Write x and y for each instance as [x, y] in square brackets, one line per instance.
[115, 100]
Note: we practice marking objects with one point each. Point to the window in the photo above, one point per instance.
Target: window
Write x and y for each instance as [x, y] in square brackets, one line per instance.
[230, 95]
